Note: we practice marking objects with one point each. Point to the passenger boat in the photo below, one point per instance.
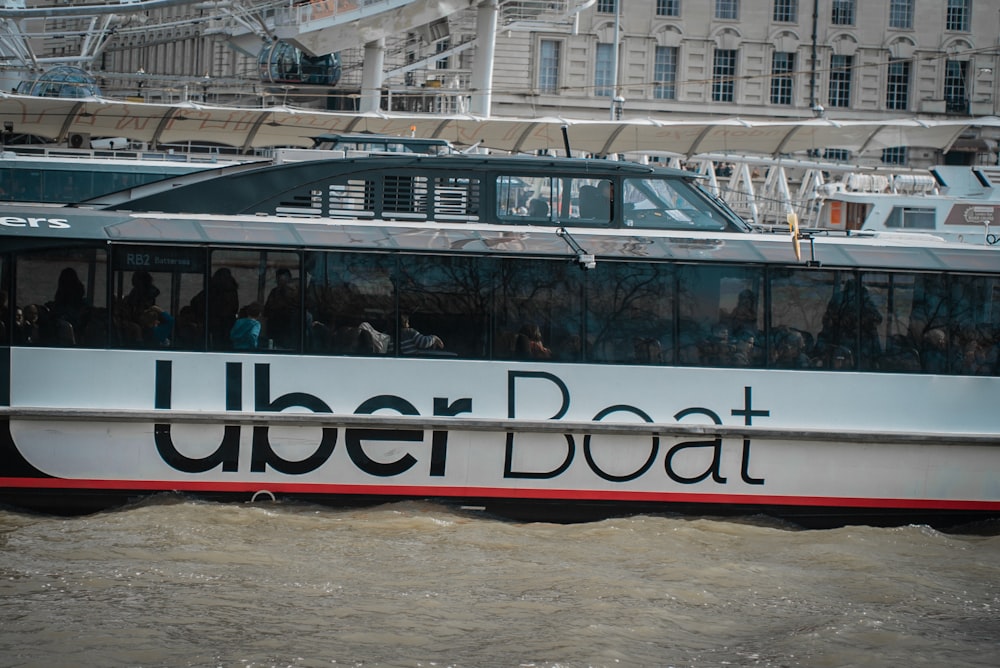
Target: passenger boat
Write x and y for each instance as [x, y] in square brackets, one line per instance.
[956, 203]
[491, 332]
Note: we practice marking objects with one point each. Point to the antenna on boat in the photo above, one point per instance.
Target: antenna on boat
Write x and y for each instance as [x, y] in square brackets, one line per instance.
[584, 259]
[565, 133]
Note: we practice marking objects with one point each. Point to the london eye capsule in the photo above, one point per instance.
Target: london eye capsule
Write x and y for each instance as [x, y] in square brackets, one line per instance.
[280, 62]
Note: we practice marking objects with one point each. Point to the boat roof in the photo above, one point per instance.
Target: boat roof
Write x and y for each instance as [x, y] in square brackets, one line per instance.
[240, 189]
[30, 226]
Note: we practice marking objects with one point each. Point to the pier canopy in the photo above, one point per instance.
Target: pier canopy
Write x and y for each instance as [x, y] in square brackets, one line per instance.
[249, 128]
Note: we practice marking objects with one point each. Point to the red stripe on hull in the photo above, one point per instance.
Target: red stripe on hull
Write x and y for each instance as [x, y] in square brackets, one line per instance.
[496, 493]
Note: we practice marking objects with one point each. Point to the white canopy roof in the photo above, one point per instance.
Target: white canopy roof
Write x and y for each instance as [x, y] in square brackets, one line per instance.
[247, 128]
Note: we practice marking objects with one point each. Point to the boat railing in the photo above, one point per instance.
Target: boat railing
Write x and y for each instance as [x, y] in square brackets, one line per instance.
[486, 424]
[61, 153]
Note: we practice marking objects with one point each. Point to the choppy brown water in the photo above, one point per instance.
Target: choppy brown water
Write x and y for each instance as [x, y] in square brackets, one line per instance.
[174, 582]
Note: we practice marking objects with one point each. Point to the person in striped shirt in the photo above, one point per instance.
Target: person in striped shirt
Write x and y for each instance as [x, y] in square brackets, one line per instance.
[412, 342]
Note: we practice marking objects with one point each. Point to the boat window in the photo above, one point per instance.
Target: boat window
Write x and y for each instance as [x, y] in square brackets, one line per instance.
[630, 313]
[350, 302]
[258, 288]
[62, 295]
[910, 218]
[974, 303]
[717, 324]
[404, 197]
[456, 198]
[902, 333]
[348, 197]
[936, 323]
[447, 303]
[803, 331]
[669, 204]
[538, 200]
[153, 289]
[70, 185]
[539, 310]
[501, 307]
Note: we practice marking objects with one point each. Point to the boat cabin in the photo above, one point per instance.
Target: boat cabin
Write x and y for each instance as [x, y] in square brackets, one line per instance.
[453, 188]
[955, 203]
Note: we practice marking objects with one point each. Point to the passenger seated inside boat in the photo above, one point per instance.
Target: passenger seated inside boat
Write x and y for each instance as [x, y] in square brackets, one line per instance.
[595, 201]
[716, 349]
[528, 343]
[839, 358]
[790, 350]
[245, 334]
[157, 327]
[934, 355]
[412, 342]
[538, 208]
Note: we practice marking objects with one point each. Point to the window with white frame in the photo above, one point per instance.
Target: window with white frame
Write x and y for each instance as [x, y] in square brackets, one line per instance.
[724, 75]
[958, 16]
[901, 14]
[841, 71]
[548, 65]
[604, 75]
[842, 13]
[727, 9]
[836, 154]
[668, 7]
[782, 67]
[955, 93]
[894, 155]
[441, 47]
[665, 73]
[786, 11]
[607, 6]
[897, 90]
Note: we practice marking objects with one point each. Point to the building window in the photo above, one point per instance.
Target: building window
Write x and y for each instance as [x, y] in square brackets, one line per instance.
[955, 93]
[782, 67]
[724, 75]
[665, 73]
[607, 6]
[727, 9]
[958, 15]
[604, 74]
[668, 7]
[841, 69]
[894, 155]
[897, 89]
[901, 14]
[441, 47]
[836, 154]
[843, 13]
[786, 11]
[548, 66]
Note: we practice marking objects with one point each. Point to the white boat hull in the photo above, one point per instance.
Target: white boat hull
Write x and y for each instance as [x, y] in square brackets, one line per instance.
[388, 428]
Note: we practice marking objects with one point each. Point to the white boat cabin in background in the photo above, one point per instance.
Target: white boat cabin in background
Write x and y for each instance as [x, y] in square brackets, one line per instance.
[956, 203]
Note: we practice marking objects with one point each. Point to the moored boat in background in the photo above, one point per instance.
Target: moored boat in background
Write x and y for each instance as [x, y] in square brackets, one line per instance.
[956, 203]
